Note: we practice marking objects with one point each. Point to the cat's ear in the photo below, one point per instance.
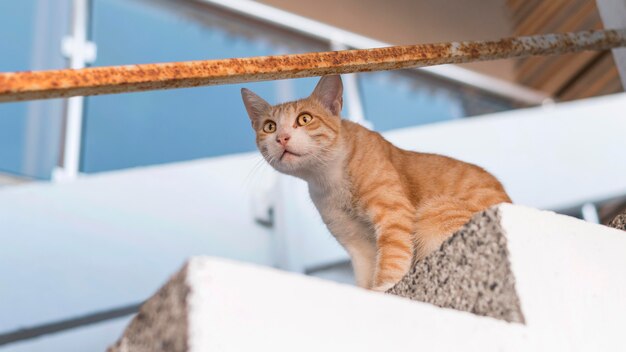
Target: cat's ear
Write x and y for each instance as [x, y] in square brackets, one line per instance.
[329, 91]
[255, 105]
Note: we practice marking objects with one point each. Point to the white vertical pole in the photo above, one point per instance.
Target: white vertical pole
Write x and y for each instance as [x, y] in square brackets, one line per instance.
[613, 14]
[80, 51]
[590, 213]
[44, 118]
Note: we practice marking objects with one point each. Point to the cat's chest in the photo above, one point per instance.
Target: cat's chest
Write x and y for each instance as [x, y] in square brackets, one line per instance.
[332, 202]
[336, 206]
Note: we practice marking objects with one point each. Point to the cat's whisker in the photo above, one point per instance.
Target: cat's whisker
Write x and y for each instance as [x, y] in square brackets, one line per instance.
[258, 165]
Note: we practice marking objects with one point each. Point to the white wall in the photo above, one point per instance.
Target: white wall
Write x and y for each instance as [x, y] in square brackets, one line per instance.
[548, 157]
[110, 240]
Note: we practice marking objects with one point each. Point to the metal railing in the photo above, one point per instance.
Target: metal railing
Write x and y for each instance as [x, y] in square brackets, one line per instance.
[20, 86]
[336, 36]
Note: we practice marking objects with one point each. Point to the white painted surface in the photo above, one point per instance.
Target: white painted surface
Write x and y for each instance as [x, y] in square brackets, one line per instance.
[571, 279]
[238, 307]
[80, 51]
[549, 158]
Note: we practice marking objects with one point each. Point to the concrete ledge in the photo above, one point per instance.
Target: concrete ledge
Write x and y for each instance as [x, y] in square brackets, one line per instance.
[567, 276]
[471, 272]
[161, 324]
[231, 306]
[619, 222]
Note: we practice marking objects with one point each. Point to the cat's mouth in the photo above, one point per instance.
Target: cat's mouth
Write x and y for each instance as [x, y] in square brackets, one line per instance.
[288, 154]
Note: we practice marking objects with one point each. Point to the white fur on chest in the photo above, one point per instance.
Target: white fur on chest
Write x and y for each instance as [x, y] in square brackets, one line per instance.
[332, 196]
[333, 200]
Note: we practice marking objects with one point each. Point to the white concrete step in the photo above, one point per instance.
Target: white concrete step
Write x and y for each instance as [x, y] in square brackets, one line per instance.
[569, 277]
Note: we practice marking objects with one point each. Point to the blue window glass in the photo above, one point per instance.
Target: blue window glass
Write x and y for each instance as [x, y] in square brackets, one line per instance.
[137, 129]
[406, 98]
[30, 37]
[16, 37]
[392, 100]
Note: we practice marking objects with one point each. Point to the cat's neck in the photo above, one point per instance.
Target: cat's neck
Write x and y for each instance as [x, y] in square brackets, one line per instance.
[327, 177]
[330, 174]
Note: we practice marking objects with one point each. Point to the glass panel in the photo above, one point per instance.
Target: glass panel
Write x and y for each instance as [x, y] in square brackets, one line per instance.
[158, 127]
[407, 98]
[30, 37]
[16, 34]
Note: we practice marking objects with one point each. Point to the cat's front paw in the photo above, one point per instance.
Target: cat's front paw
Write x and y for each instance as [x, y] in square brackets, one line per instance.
[383, 287]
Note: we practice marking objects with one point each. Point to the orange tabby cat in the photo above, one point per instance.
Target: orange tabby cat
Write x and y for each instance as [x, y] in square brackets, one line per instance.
[386, 206]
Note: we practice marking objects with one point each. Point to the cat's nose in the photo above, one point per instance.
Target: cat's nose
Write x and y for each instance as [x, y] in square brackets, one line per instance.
[283, 139]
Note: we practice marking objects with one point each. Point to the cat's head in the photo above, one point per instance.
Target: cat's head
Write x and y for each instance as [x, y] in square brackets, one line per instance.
[299, 136]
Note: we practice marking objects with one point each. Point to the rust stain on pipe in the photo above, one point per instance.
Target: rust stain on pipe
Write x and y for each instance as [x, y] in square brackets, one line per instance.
[18, 86]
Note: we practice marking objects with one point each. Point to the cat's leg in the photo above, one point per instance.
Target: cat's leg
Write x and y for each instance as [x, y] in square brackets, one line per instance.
[356, 239]
[437, 219]
[363, 257]
[393, 218]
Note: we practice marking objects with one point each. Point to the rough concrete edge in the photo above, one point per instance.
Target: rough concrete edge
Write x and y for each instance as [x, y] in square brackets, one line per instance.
[504, 235]
[619, 222]
[517, 315]
[161, 323]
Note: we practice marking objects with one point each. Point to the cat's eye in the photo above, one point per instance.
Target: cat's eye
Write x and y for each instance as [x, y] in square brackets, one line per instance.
[269, 127]
[304, 119]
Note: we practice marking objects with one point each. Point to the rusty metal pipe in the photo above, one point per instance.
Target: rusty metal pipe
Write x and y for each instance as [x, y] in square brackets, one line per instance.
[20, 86]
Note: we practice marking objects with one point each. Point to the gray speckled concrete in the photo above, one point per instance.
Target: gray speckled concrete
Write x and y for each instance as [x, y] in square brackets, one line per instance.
[470, 272]
[619, 222]
[161, 324]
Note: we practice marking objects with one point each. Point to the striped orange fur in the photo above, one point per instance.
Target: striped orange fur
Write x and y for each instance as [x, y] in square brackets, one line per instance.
[387, 206]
